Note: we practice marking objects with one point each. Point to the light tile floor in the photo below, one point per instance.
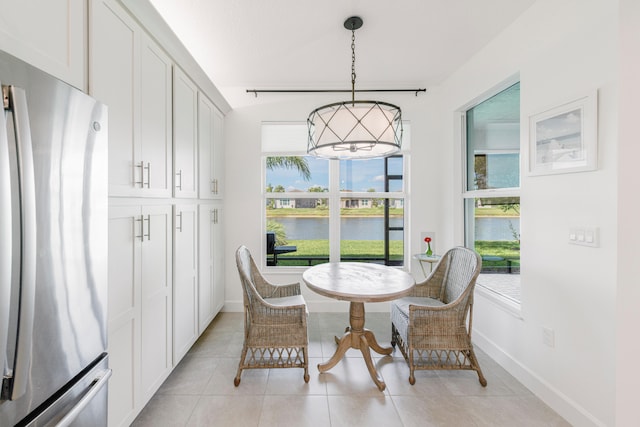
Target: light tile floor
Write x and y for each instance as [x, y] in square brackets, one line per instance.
[200, 391]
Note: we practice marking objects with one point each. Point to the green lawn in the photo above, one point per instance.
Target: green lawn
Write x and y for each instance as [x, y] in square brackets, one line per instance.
[495, 211]
[365, 249]
[509, 250]
[368, 249]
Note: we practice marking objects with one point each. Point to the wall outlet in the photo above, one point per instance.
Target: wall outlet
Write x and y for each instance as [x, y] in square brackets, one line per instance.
[548, 337]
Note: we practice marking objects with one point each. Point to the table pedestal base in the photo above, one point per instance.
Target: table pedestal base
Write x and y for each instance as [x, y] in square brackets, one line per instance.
[356, 336]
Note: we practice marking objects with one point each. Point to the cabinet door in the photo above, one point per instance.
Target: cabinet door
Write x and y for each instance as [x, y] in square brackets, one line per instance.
[156, 300]
[218, 153]
[211, 265]
[218, 259]
[156, 139]
[206, 237]
[125, 234]
[205, 147]
[185, 140]
[47, 34]
[114, 45]
[185, 291]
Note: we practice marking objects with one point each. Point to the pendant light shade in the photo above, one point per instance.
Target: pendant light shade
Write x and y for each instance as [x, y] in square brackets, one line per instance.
[355, 129]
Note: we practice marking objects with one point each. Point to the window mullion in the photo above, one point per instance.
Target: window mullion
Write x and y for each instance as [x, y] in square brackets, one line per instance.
[334, 210]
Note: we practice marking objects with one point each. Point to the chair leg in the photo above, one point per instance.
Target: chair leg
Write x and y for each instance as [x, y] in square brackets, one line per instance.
[236, 380]
[393, 335]
[412, 378]
[306, 364]
[476, 366]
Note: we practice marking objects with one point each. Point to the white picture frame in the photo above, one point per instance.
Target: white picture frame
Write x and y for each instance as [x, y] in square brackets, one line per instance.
[563, 139]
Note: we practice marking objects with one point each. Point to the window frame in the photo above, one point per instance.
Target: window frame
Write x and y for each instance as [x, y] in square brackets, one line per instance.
[333, 196]
[501, 300]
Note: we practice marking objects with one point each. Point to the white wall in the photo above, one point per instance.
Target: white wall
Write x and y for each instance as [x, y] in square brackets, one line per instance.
[561, 50]
[243, 197]
[628, 314]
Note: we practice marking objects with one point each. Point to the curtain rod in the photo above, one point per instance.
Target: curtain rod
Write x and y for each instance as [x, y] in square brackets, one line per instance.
[256, 91]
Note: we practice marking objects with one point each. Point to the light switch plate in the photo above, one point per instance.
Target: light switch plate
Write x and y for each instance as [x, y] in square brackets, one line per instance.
[584, 236]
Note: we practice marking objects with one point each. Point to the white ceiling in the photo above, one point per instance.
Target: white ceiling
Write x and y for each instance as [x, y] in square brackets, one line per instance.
[302, 44]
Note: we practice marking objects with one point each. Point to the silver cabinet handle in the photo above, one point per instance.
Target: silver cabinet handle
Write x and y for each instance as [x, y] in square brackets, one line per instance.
[18, 103]
[213, 186]
[6, 233]
[142, 169]
[148, 168]
[148, 235]
[179, 228]
[94, 388]
[141, 182]
[141, 221]
[179, 186]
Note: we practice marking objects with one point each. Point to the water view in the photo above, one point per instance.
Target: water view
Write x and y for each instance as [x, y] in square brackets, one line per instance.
[372, 228]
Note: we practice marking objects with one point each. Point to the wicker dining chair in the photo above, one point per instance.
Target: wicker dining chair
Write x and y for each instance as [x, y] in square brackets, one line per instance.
[275, 322]
[432, 325]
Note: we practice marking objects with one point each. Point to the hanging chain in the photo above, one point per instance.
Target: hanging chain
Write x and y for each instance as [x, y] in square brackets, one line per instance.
[353, 64]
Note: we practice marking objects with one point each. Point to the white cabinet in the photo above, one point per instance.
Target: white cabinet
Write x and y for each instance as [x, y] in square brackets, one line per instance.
[218, 152]
[210, 144]
[47, 34]
[124, 313]
[113, 74]
[166, 254]
[185, 285]
[185, 135]
[139, 314]
[210, 266]
[153, 161]
[132, 75]
[156, 299]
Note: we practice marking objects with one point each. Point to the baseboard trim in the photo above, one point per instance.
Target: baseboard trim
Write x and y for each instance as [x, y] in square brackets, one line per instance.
[558, 401]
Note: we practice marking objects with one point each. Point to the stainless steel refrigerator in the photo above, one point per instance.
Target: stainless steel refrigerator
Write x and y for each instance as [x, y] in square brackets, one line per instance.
[53, 251]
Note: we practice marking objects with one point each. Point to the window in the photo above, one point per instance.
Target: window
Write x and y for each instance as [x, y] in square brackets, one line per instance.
[492, 190]
[317, 210]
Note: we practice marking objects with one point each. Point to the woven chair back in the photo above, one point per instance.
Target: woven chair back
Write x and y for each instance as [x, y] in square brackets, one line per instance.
[244, 262]
[463, 267]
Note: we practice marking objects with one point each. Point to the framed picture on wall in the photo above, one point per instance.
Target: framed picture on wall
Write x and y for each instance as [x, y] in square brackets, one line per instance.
[563, 139]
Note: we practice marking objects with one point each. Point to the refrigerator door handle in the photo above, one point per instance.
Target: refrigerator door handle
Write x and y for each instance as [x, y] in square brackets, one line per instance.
[18, 103]
[95, 387]
[6, 240]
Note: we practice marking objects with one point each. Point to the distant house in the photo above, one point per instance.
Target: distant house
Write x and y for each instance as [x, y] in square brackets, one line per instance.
[396, 203]
[299, 203]
[285, 203]
[369, 203]
[355, 203]
[306, 203]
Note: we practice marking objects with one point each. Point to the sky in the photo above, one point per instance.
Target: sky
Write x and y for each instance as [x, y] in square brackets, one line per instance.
[355, 175]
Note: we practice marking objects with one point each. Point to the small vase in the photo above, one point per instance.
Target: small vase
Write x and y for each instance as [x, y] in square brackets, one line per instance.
[429, 252]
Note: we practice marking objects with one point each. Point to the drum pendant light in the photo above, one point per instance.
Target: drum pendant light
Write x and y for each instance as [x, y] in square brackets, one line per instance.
[355, 129]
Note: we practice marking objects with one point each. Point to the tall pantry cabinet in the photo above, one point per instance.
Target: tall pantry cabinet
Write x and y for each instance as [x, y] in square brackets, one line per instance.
[122, 53]
[48, 35]
[140, 301]
[165, 204]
